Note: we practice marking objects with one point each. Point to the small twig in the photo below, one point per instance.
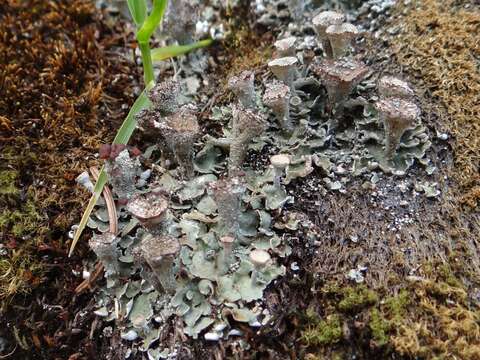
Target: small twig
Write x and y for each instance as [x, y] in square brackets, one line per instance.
[208, 106]
[22, 342]
[10, 353]
[177, 70]
[92, 329]
[86, 284]
[113, 222]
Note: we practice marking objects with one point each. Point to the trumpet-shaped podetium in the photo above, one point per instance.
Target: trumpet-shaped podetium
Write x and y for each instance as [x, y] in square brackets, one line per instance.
[277, 98]
[226, 258]
[340, 37]
[286, 47]
[246, 126]
[105, 247]
[150, 210]
[259, 259]
[160, 253]
[320, 23]
[145, 271]
[284, 69]
[340, 78]
[243, 88]
[164, 97]
[180, 131]
[398, 115]
[389, 86]
[227, 194]
[280, 163]
[122, 172]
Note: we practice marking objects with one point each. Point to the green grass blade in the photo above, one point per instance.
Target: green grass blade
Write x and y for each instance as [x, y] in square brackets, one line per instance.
[152, 21]
[148, 74]
[102, 180]
[129, 124]
[163, 53]
[122, 137]
[138, 10]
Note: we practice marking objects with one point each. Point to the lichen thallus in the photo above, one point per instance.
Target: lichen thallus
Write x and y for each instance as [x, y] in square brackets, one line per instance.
[213, 257]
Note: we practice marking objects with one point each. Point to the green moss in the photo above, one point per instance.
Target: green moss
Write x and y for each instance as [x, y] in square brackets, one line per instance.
[390, 314]
[20, 272]
[396, 306]
[430, 319]
[22, 221]
[324, 332]
[380, 328]
[8, 179]
[443, 291]
[356, 298]
[17, 217]
[448, 276]
[311, 316]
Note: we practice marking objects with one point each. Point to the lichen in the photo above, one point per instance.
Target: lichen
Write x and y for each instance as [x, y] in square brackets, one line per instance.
[210, 289]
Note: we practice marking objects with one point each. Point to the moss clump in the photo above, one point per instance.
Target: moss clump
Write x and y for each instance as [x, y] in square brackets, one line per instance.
[396, 306]
[446, 273]
[19, 219]
[311, 316]
[339, 303]
[442, 324]
[432, 318]
[323, 333]
[379, 327]
[356, 298]
[8, 179]
[22, 221]
[19, 272]
[443, 291]
[433, 30]
[439, 331]
[387, 316]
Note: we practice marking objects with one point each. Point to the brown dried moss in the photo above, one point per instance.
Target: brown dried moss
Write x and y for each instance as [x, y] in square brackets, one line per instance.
[442, 325]
[248, 47]
[438, 42]
[63, 82]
